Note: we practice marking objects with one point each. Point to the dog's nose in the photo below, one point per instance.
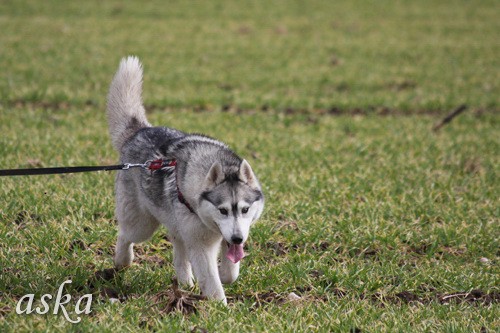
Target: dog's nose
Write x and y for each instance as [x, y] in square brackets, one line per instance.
[236, 240]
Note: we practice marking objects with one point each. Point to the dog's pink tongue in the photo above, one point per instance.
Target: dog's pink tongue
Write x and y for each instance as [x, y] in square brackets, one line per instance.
[235, 253]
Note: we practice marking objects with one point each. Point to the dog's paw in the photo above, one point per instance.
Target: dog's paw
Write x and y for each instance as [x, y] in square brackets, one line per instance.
[123, 261]
[186, 281]
[229, 272]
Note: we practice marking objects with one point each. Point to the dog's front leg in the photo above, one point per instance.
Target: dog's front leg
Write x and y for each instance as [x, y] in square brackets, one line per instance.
[181, 262]
[204, 263]
[228, 271]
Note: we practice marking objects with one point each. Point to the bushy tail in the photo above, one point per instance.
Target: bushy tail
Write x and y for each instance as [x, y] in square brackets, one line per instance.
[126, 114]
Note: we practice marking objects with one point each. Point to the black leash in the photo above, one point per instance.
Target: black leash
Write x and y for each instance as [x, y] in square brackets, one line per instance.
[53, 171]
[150, 165]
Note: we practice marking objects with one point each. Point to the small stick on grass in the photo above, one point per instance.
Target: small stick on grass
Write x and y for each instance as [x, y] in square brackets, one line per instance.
[449, 117]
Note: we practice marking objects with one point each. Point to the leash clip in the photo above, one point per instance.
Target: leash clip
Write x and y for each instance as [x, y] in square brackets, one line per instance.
[127, 166]
[151, 165]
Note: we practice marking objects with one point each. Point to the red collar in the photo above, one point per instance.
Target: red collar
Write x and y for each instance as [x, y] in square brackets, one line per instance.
[160, 164]
[182, 200]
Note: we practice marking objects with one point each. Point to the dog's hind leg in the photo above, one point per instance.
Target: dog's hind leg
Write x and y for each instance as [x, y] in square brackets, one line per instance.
[133, 227]
[128, 235]
[124, 252]
[134, 224]
[228, 271]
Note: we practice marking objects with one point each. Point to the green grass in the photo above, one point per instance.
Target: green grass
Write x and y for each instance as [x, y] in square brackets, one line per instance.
[426, 206]
[360, 208]
[404, 55]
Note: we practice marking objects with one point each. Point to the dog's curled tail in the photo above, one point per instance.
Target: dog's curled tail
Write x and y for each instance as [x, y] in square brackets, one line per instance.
[126, 114]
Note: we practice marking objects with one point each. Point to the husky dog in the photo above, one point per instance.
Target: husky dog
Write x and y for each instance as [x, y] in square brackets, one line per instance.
[205, 195]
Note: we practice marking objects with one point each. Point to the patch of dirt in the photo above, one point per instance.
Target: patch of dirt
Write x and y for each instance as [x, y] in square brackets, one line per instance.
[24, 217]
[473, 166]
[403, 297]
[368, 252]
[439, 250]
[281, 30]
[41, 104]
[279, 248]
[225, 87]
[244, 30]
[339, 293]
[407, 297]
[335, 60]
[476, 297]
[333, 110]
[420, 249]
[451, 250]
[110, 293]
[4, 310]
[107, 274]
[103, 275]
[77, 244]
[402, 85]
[96, 282]
[316, 273]
[321, 246]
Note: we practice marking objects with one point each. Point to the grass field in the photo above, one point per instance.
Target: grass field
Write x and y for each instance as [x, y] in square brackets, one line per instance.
[374, 220]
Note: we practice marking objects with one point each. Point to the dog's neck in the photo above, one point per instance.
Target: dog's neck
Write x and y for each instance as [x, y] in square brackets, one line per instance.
[180, 196]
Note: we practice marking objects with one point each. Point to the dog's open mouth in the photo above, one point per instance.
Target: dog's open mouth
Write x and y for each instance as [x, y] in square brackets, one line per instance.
[235, 252]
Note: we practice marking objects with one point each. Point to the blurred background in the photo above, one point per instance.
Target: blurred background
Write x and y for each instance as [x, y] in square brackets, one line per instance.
[325, 56]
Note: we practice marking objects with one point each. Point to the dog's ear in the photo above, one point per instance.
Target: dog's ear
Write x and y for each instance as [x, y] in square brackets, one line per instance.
[247, 175]
[214, 176]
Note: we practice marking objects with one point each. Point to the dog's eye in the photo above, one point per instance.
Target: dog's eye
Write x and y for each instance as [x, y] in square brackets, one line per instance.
[223, 211]
[244, 210]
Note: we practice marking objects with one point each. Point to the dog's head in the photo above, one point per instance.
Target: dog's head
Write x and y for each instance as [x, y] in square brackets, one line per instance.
[233, 201]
